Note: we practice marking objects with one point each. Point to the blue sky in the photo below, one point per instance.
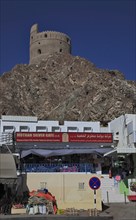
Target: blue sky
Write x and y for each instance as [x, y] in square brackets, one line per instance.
[102, 31]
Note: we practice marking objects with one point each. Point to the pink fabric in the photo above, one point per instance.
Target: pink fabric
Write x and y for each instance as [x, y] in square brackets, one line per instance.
[118, 178]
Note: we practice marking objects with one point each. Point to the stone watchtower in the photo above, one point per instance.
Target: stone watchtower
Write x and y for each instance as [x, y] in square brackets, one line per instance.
[48, 42]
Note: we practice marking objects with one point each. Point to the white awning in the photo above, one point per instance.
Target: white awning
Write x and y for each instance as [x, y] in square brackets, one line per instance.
[110, 152]
[50, 153]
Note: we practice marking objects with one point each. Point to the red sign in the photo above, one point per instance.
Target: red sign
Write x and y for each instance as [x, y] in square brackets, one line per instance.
[91, 137]
[64, 137]
[38, 137]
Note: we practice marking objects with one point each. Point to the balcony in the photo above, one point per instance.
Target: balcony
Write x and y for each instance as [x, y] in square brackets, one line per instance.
[65, 167]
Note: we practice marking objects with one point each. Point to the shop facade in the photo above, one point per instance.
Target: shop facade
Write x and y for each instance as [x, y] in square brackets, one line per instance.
[74, 148]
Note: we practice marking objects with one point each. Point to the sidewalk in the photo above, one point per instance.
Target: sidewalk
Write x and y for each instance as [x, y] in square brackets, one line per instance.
[120, 211]
[114, 211]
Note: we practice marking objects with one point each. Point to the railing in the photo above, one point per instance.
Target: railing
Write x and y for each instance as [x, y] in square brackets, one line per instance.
[73, 167]
[6, 138]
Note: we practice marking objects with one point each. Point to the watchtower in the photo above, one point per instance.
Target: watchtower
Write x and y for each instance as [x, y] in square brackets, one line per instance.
[48, 42]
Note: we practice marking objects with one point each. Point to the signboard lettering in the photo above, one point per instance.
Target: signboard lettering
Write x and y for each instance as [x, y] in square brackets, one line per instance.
[64, 137]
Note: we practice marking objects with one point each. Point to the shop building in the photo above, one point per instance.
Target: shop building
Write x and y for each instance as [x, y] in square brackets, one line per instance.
[75, 148]
[77, 142]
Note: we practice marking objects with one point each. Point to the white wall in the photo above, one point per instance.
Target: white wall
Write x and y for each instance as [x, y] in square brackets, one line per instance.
[69, 189]
[83, 124]
[17, 122]
[123, 129]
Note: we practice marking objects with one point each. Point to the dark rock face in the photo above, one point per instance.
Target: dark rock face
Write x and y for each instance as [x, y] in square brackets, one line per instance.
[64, 87]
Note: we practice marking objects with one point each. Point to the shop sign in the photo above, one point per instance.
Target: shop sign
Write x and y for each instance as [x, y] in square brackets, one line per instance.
[38, 137]
[64, 137]
[91, 137]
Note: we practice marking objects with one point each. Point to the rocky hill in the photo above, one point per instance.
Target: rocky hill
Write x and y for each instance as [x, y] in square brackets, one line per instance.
[64, 87]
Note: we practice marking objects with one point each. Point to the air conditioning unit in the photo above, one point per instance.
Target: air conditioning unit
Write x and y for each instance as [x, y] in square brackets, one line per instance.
[116, 137]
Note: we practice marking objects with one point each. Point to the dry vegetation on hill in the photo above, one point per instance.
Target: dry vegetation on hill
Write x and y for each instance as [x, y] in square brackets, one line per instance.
[64, 87]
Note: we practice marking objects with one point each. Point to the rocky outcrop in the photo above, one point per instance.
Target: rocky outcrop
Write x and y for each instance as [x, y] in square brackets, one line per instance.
[64, 87]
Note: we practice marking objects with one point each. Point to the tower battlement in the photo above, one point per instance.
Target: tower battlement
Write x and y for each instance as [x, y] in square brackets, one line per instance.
[45, 43]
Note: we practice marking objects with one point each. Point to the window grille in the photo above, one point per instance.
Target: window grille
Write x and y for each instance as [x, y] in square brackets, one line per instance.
[72, 129]
[55, 129]
[41, 129]
[8, 129]
[88, 129]
[24, 128]
[43, 185]
[81, 186]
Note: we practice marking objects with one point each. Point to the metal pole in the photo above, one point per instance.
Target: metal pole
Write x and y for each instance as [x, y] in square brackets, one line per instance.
[125, 198]
[107, 197]
[85, 167]
[94, 199]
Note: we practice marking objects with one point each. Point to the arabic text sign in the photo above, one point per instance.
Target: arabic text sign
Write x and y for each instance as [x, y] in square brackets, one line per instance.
[91, 137]
[64, 137]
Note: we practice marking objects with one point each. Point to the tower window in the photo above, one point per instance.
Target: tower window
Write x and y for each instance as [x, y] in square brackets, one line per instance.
[39, 51]
[45, 35]
[60, 50]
